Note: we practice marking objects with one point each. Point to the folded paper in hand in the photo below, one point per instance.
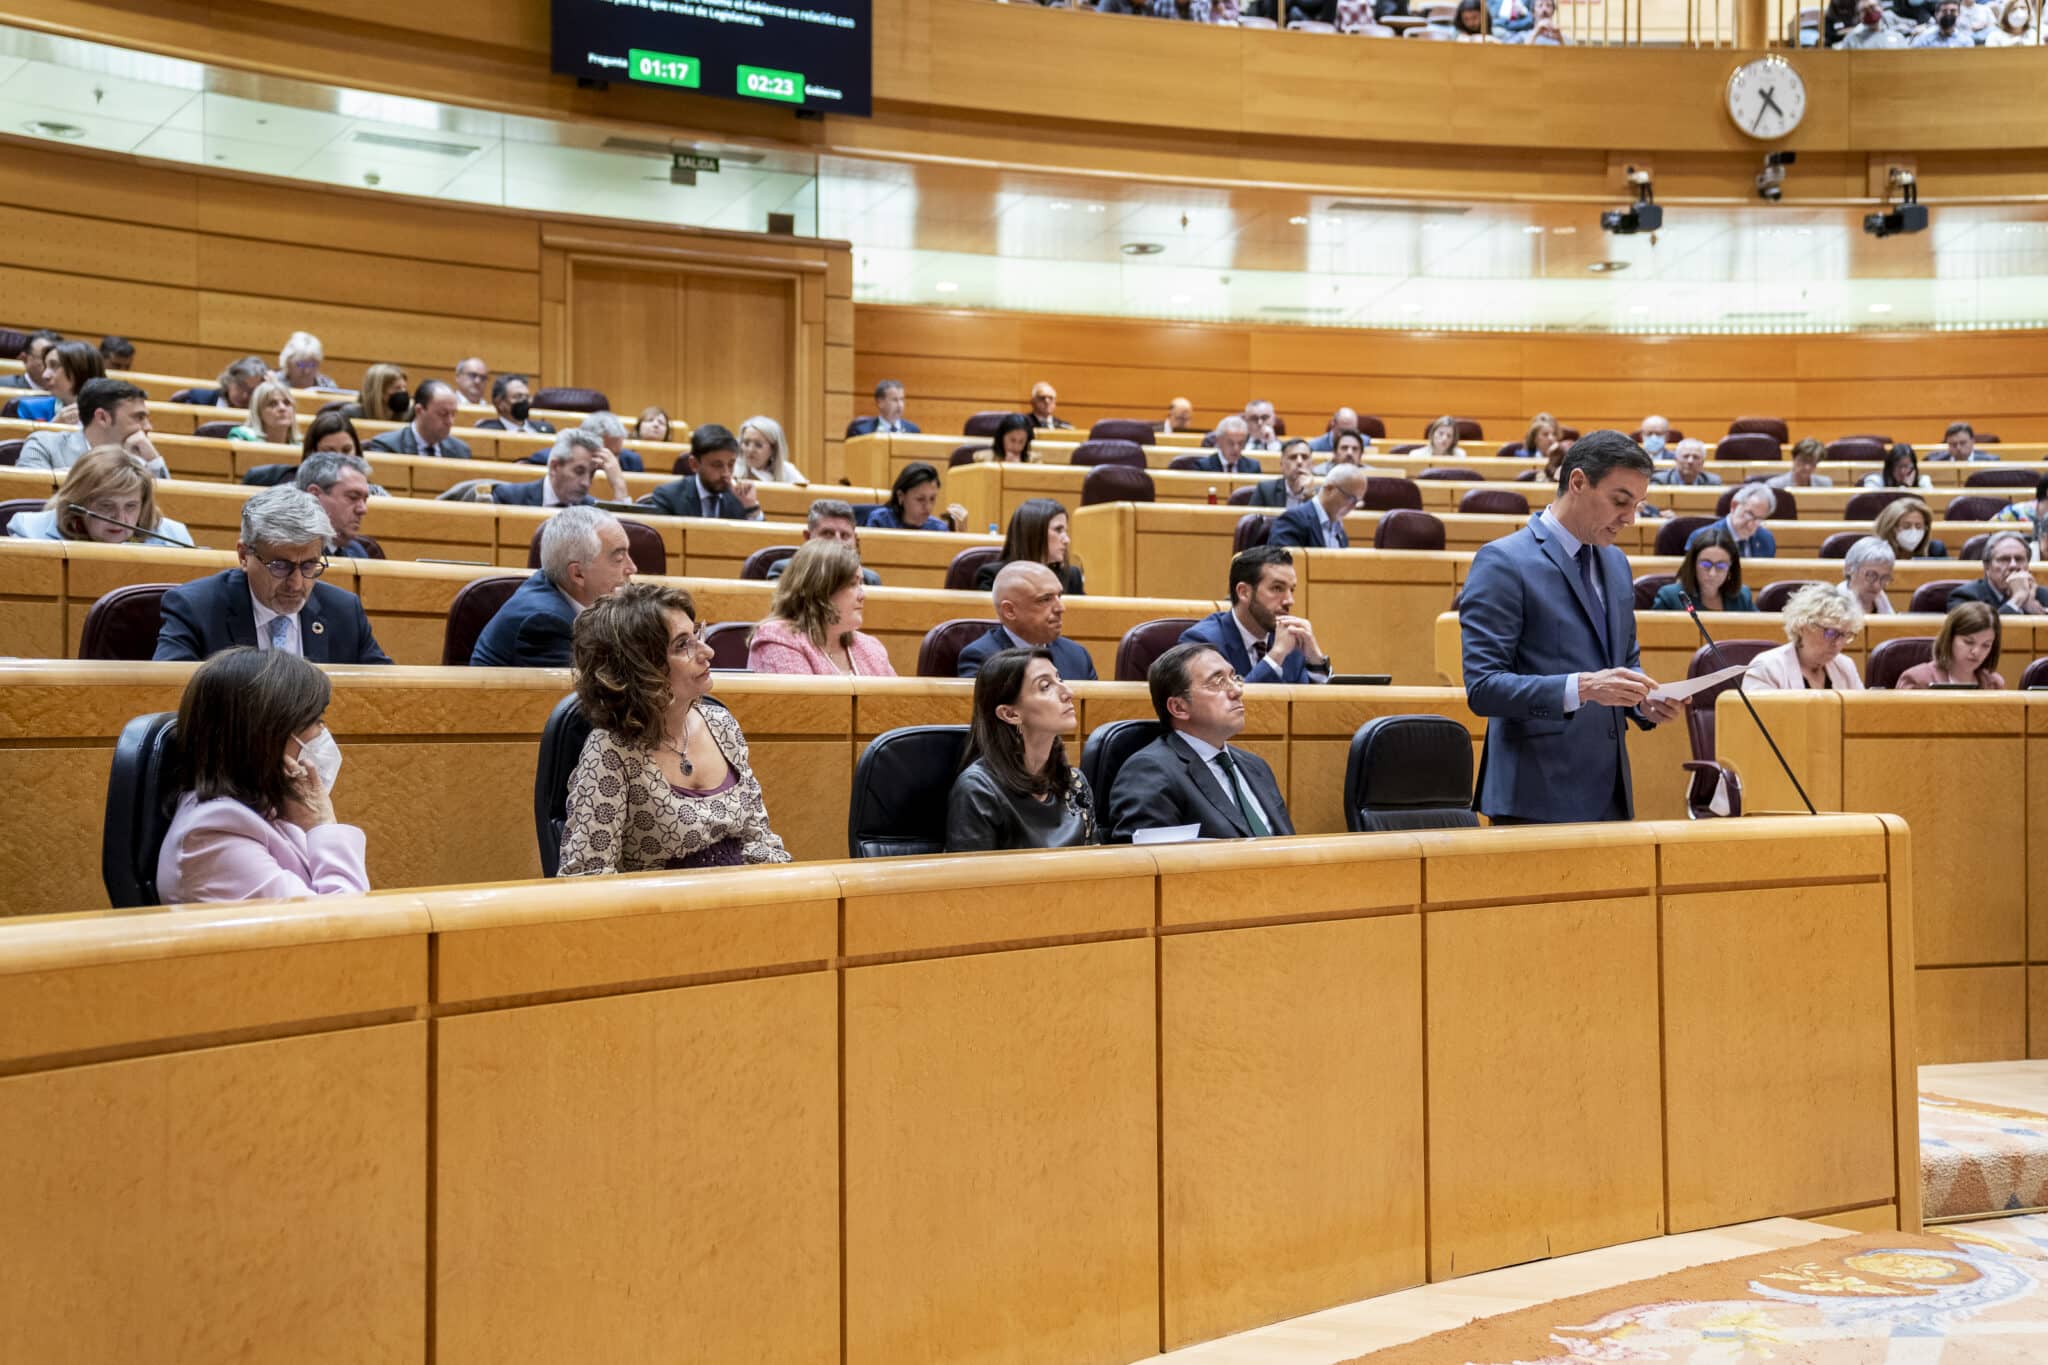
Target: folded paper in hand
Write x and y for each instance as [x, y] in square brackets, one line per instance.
[1676, 691]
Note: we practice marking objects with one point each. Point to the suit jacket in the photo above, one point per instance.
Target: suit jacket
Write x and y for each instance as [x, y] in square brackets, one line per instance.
[1219, 631]
[203, 617]
[1050, 423]
[680, 499]
[532, 629]
[403, 442]
[865, 426]
[533, 424]
[1166, 783]
[1527, 622]
[1212, 463]
[528, 494]
[1777, 670]
[867, 575]
[1301, 528]
[779, 647]
[220, 850]
[1071, 660]
[1981, 591]
[1270, 493]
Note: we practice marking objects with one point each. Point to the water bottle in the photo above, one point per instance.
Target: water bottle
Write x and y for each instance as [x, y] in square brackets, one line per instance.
[992, 529]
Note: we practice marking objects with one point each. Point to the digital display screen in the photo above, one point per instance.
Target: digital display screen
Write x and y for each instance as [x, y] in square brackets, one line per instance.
[810, 54]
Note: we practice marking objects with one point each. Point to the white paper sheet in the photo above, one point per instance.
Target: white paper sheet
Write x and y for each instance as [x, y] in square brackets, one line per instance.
[1675, 691]
[1167, 834]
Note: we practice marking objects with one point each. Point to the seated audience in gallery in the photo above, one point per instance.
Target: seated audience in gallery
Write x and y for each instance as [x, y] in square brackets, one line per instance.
[1442, 440]
[652, 425]
[1348, 449]
[1710, 574]
[274, 599]
[1038, 535]
[1654, 435]
[512, 399]
[272, 417]
[300, 360]
[1180, 416]
[1319, 524]
[102, 497]
[1959, 442]
[764, 453]
[1744, 523]
[911, 499]
[1341, 421]
[1259, 634]
[830, 519]
[1901, 470]
[584, 554]
[814, 620]
[665, 780]
[2033, 511]
[1029, 614]
[1045, 401]
[1965, 653]
[2010, 585]
[1011, 442]
[1688, 467]
[1191, 775]
[1228, 456]
[117, 353]
[342, 484]
[2012, 25]
[111, 412]
[1016, 789]
[607, 427]
[1905, 525]
[1473, 23]
[433, 406]
[1296, 482]
[473, 381]
[256, 769]
[887, 418]
[575, 461]
[385, 395]
[1806, 457]
[713, 491]
[1821, 620]
[235, 386]
[33, 356]
[1262, 427]
[1867, 574]
[68, 367]
[1544, 433]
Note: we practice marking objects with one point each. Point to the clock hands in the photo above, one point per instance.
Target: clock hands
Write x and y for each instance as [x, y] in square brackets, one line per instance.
[1767, 103]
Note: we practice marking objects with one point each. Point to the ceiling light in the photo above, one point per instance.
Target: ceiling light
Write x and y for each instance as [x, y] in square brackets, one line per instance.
[1534, 229]
[1880, 308]
[1639, 309]
[1606, 267]
[1142, 248]
[1183, 298]
[1098, 208]
[1301, 220]
[1562, 231]
[1059, 206]
[42, 127]
[1411, 307]
[946, 287]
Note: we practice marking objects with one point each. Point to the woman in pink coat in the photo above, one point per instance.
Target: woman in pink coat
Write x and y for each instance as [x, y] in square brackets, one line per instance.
[256, 818]
[814, 622]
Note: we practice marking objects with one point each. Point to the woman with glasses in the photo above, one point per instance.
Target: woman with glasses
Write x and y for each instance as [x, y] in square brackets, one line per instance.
[274, 600]
[1820, 621]
[1867, 573]
[1711, 575]
[664, 781]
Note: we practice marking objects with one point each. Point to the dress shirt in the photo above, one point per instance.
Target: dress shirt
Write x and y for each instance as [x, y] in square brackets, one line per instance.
[1256, 649]
[264, 616]
[1207, 752]
[426, 447]
[1328, 525]
[1571, 545]
[1955, 37]
[547, 493]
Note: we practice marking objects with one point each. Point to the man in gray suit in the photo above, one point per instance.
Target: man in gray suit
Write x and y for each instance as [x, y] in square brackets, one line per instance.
[577, 459]
[1190, 775]
[1549, 626]
[433, 417]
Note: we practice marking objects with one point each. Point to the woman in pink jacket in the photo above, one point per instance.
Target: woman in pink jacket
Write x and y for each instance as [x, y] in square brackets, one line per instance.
[257, 768]
[814, 623]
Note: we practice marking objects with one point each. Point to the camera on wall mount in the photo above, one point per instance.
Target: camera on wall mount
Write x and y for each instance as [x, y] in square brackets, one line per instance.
[1770, 181]
[1642, 216]
[1910, 215]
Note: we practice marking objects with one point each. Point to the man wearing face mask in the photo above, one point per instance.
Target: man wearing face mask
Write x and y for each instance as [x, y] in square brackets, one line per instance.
[1871, 31]
[274, 601]
[512, 396]
[1656, 435]
[1946, 32]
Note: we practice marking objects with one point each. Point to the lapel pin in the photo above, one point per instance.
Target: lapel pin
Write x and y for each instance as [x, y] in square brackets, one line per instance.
[319, 629]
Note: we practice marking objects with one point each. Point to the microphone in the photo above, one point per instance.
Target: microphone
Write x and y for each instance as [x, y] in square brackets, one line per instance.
[1692, 609]
[84, 511]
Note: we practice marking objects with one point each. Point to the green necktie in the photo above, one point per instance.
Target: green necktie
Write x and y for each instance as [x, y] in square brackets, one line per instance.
[1249, 809]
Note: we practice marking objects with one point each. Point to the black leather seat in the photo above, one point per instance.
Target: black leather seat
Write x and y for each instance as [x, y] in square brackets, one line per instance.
[215, 431]
[1104, 754]
[18, 507]
[476, 602]
[643, 542]
[898, 805]
[1122, 429]
[1145, 642]
[572, 400]
[1893, 657]
[10, 451]
[727, 642]
[960, 573]
[124, 623]
[1774, 596]
[270, 475]
[1409, 772]
[938, 654]
[1115, 483]
[139, 791]
[561, 745]
[762, 560]
[1673, 534]
[1252, 529]
[1705, 775]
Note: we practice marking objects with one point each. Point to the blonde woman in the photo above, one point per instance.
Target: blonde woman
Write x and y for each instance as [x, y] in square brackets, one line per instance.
[272, 417]
[1905, 525]
[386, 395]
[1820, 621]
[814, 623]
[1544, 433]
[764, 453]
[107, 491]
[1443, 440]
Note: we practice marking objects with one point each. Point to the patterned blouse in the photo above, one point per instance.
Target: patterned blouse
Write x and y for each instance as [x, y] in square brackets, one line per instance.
[624, 816]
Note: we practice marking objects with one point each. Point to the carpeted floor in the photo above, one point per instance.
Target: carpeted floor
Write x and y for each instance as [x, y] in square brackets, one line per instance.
[1973, 1294]
[1983, 1139]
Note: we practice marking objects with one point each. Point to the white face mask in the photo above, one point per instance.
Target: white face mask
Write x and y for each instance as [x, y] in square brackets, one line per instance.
[323, 756]
[1911, 537]
[1653, 445]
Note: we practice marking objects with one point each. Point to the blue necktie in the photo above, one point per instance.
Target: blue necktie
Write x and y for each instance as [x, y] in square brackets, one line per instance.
[1599, 609]
[280, 632]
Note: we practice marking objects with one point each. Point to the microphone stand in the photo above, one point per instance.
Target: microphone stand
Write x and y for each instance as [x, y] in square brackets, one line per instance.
[1692, 609]
[143, 530]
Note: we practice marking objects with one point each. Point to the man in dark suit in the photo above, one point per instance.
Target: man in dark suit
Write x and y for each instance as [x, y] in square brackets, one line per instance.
[830, 519]
[1343, 419]
[2008, 586]
[1028, 612]
[433, 417]
[712, 491]
[1044, 399]
[512, 396]
[1179, 414]
[1549, 626]
[888, 418]
[576, 459]
[1319, 523]
[1260, 635]
[273, 600]
[1296, 484]
[1191, 775]
[583, 556]
[1228, 456]
[40, 343]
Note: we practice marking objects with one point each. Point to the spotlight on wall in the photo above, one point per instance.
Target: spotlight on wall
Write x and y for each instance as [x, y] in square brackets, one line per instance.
[1642, 216]
[1910, 215]
[1770, 181]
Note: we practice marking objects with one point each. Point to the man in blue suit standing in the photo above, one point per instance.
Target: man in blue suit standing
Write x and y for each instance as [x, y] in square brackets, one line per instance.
[583, 555]
[1319, 523]
[1549, 625]
[1028, 613]
[1260, 635]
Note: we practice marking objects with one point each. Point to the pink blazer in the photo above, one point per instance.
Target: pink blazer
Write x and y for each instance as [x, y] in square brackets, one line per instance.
[220, 850]
[1777, 670]
[781, 648]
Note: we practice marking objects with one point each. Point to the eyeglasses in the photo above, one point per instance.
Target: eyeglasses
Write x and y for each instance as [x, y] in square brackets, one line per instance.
[281, 569]
[1712, 566]
[1834, 636]
[1222, 682]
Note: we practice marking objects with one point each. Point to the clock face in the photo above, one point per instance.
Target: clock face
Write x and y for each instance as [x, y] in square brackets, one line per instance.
[1766, 98]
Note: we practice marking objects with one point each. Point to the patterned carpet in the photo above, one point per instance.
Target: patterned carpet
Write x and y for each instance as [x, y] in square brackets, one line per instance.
[1977, 1157]
[1971, 1294]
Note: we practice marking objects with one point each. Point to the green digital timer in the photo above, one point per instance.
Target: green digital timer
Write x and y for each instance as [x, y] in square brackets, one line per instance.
[664, 68]
[766, 83]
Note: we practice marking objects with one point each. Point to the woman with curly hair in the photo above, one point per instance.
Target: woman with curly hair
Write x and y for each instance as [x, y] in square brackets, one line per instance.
[664, 780]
